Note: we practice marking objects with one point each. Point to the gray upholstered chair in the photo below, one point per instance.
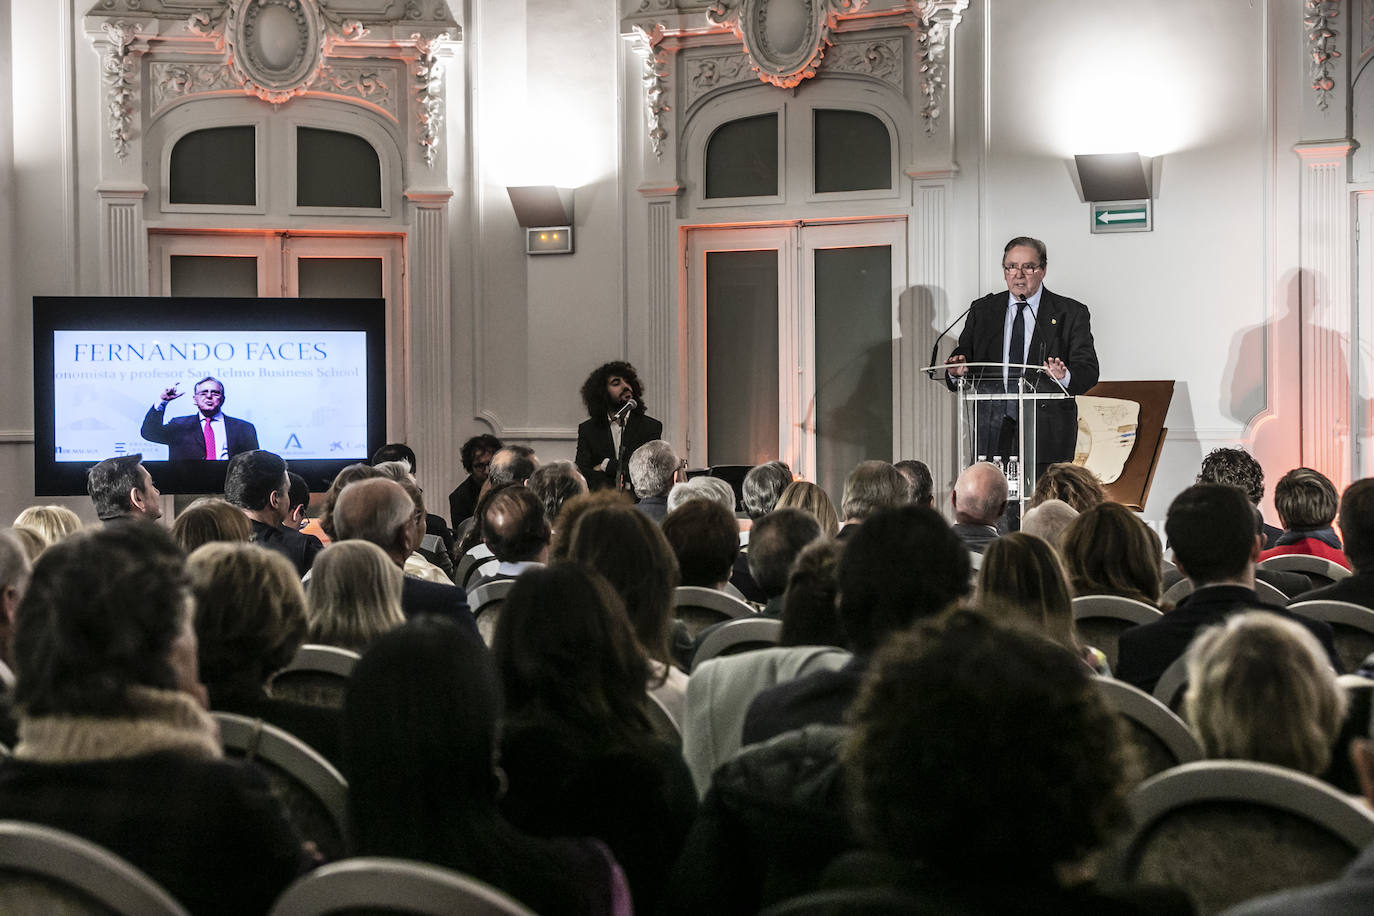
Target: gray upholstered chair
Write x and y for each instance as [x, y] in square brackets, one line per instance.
[398, 886]
[1352, 626]
[698, 607]
[486, 601]
[318, 675]
[1225, 831]
[1162, 738]
[1101, 619]
[740, 634]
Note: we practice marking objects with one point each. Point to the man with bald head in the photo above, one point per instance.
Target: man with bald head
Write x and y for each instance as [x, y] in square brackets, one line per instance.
[517, 533]
[979, 498]
[379, 510]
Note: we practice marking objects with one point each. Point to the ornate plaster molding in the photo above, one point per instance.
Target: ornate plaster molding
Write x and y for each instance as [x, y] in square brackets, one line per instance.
[428, 73]
[121, 77]
[777, 56]
[657, 67]
[1320, 33]
[881, 59]
[708, 73]
[933, 43]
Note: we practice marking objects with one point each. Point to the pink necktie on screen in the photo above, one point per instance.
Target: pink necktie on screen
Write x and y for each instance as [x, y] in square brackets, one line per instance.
[211, 453]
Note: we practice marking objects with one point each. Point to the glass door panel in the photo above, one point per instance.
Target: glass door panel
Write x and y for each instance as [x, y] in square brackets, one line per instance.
[212, 275]
[741, 360]
[340, 278]
[853, 407]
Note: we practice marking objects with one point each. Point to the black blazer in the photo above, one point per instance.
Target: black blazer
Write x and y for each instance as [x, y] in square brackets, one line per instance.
[421, 597]
[186, 440]
[1144, 651]
[595, 444]
[1063, 330]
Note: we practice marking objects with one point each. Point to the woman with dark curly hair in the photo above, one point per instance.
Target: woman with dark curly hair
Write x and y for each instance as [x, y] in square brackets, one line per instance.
[617, 424]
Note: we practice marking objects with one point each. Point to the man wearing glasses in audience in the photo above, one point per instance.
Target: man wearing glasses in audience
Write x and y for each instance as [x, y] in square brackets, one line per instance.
[1030, 325]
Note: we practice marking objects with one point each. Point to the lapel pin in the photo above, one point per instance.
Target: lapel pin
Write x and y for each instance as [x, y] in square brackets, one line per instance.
[1054, 321]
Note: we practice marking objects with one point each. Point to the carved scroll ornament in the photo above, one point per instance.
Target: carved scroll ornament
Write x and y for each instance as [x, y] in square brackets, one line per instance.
[785, 44]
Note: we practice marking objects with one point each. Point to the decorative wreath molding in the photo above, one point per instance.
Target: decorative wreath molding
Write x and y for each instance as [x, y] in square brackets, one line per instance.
[429, 82]
[784, 67]
[657, 65]
[1321, 45]
[121, 76]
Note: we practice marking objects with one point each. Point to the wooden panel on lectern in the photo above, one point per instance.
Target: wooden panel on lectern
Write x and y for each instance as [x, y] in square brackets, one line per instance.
[1132, 488]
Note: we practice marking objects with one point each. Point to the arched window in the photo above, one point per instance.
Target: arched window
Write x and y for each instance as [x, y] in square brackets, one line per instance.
[336, 169]
[742, 158]
[853, 151]
[217, 165]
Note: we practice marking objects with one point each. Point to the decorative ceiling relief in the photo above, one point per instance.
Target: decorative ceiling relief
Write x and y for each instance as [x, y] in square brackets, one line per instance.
[785, 39]
[1320, 32]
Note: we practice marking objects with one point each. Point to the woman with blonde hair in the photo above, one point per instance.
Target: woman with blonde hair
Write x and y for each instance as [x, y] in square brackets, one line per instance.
[52, 522]
[354, 595]
[811, 499]
[1261, 688]
[210, 519]
[1022, 579]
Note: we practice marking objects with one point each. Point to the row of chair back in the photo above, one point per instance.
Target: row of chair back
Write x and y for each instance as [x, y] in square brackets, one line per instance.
[44, 871]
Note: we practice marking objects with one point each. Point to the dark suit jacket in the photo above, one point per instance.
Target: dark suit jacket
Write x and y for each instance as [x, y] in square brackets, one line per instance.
[462, 502]
[186, 440]
[300, 549]
[1146, 650]
[595, 443]
[1358, 589]
[1063, 330]
[421, 597]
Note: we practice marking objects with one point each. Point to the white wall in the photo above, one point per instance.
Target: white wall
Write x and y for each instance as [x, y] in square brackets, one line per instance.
[1173, 79]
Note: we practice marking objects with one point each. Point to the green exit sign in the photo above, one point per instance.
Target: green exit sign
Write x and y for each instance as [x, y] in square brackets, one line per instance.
[1122, 216]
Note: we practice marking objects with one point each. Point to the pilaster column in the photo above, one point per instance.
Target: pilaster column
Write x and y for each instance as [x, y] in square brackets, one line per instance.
[428, 414]
[123, 242]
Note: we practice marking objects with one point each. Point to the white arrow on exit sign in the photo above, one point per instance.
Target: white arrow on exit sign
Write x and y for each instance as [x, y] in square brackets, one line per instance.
[1121, 216]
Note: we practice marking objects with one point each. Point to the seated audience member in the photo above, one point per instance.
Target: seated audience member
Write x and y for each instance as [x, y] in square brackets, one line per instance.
[1048, 521]
[704, 487]
[434, 524]
[512, 464]
[354, 596]
[578, 746]
[378, 510]
[918, 478]
[1306, 502]
[762, 486]
[574, 509]
[704, 537]
[652, 469]
[927, 768]
[881, 591]
[115, 744]
[554, 484]
[52, 522]
[349, 474]
[476, 455]
[1075, 485]
[1260, 688]
[209, 519]
[431, 563]
[1357, 527]
[473, 544]
[870, 488]
[515, 529]
[979, 498]
[1212, 530]
[1238, 468]
[256, 482]
[811, 499]
[1022, 582]
[809, 613]
[1108, 550]
[14, 579]
[776, 541]
[630, 551]
[250, 620]
[121, 488]
[298, 497]
[420, 733]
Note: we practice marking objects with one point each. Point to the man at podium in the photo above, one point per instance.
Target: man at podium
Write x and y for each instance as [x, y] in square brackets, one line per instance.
[1031, 325]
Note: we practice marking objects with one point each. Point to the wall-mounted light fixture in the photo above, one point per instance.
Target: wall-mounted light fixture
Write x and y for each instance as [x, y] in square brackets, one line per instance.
[1117, 189]
[546, 213]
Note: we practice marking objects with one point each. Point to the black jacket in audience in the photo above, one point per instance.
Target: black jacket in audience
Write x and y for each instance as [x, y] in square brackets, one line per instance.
[774, 817]
[1357, 589]
[1145, 651]
[300, 549]
[421, 597]
[317, 726]
[820, 698]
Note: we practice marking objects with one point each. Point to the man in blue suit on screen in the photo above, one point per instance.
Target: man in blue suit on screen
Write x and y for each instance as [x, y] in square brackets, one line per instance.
[207, 436]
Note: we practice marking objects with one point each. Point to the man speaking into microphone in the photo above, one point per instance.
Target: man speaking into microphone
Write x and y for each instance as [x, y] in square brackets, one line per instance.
[1030, 325]
[617, 424]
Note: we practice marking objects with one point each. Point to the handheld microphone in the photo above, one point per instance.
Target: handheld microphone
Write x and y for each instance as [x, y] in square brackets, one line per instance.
[935, 348]
[629, 405]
